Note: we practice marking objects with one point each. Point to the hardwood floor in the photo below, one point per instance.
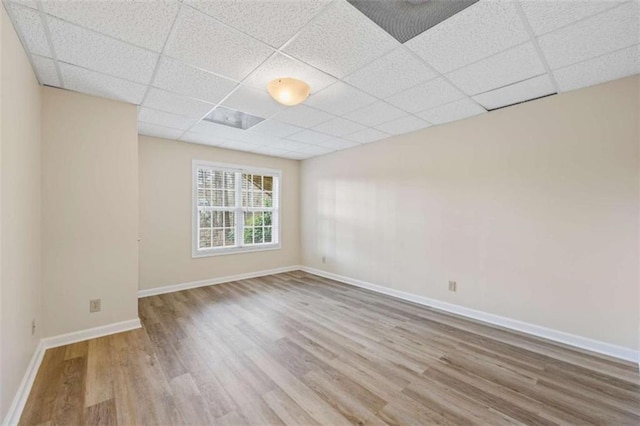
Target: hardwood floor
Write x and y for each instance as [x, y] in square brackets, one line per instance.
[298, 349]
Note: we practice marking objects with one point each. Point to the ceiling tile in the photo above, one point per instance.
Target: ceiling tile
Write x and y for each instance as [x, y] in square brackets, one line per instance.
[427, 95]
[390, 74]
[217, 131]
[78, 46]
[203, 138]
[268, 150]
[166, 119]
[256, 138]
[271, 21]
[339, 98]
[615, 65]
[312, 149]
[403, 125]
[276, 128]
[374, 114]
[303, 116]
[280, 65]
[514, 93]
[205, 43]
[253, 101]
[340, 41]
[158, 131]
[94, 83]
[516, 64]
[311, 136]
[545, 16]
[142, 23]
[46, 70]
[367, 135]
[31, 27]
[177, 77]
[339, 144]
[28, 3]
[451, 112]
[480, 30]
[177, 104]
[286, 145]
[296, 155]
[239, 145]
[612, 30]
[339, 127]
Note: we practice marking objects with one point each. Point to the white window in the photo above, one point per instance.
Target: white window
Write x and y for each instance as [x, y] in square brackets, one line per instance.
[235, 209]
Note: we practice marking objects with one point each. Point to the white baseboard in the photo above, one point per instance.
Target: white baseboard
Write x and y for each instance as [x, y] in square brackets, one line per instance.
[22, 394]
[90, 333]
[214, 281]
[609, 349]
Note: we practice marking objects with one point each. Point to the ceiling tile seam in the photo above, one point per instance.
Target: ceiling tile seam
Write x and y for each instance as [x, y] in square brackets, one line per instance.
[308, 143]
[91, 30]
[314, 18]
[164, 55]
[160, 53]
[186, 5]
[158, 125]
[610, 52]
[609, 8]
[97, 72]
[165, 112]
[515, 46]
[280, 49]
[333, 116]
[444, 105]
[172, 31]
[297, 34]
[444, 77]
[274, 116]
[137, 82]
[355, 122]
[317, 16]
[536, 45]
[511, 84]
[18, 30]
[276, 50]
[238, 85]
[45, 26]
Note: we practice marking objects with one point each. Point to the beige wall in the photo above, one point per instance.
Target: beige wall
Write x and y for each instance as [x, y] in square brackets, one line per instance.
[90, 210]
[165, 215]
[533, 210]
[20, 278]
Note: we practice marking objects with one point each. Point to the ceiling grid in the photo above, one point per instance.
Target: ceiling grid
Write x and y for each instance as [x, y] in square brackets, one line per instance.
[366, 85]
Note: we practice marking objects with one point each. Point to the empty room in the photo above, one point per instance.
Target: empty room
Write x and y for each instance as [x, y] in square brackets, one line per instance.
[319, 212]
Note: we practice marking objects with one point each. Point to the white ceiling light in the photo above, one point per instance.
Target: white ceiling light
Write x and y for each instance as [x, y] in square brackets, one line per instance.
[288, 91]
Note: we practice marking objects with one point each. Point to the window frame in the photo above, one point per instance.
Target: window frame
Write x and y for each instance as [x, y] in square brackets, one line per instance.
[239, 210]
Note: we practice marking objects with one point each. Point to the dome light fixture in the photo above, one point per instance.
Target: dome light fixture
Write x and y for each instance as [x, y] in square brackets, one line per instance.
[288, 91]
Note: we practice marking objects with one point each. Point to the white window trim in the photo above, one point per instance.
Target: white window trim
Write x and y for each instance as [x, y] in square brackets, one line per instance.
[218, 251]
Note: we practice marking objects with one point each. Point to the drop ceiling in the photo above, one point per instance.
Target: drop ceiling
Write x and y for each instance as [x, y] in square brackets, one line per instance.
[179, 60]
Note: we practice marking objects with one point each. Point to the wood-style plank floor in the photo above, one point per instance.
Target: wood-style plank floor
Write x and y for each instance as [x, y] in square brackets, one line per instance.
[298, 349]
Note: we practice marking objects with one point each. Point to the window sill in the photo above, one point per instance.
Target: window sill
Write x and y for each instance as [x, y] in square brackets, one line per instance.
[233, 250]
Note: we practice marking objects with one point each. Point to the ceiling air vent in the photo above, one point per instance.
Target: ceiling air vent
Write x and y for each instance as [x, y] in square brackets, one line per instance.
[405, 19]
[233, 118]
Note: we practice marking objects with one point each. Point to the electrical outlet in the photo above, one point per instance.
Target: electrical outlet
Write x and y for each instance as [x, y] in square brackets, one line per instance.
[453, 286]
[324, 259]
[95, 305]
[33, 327]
